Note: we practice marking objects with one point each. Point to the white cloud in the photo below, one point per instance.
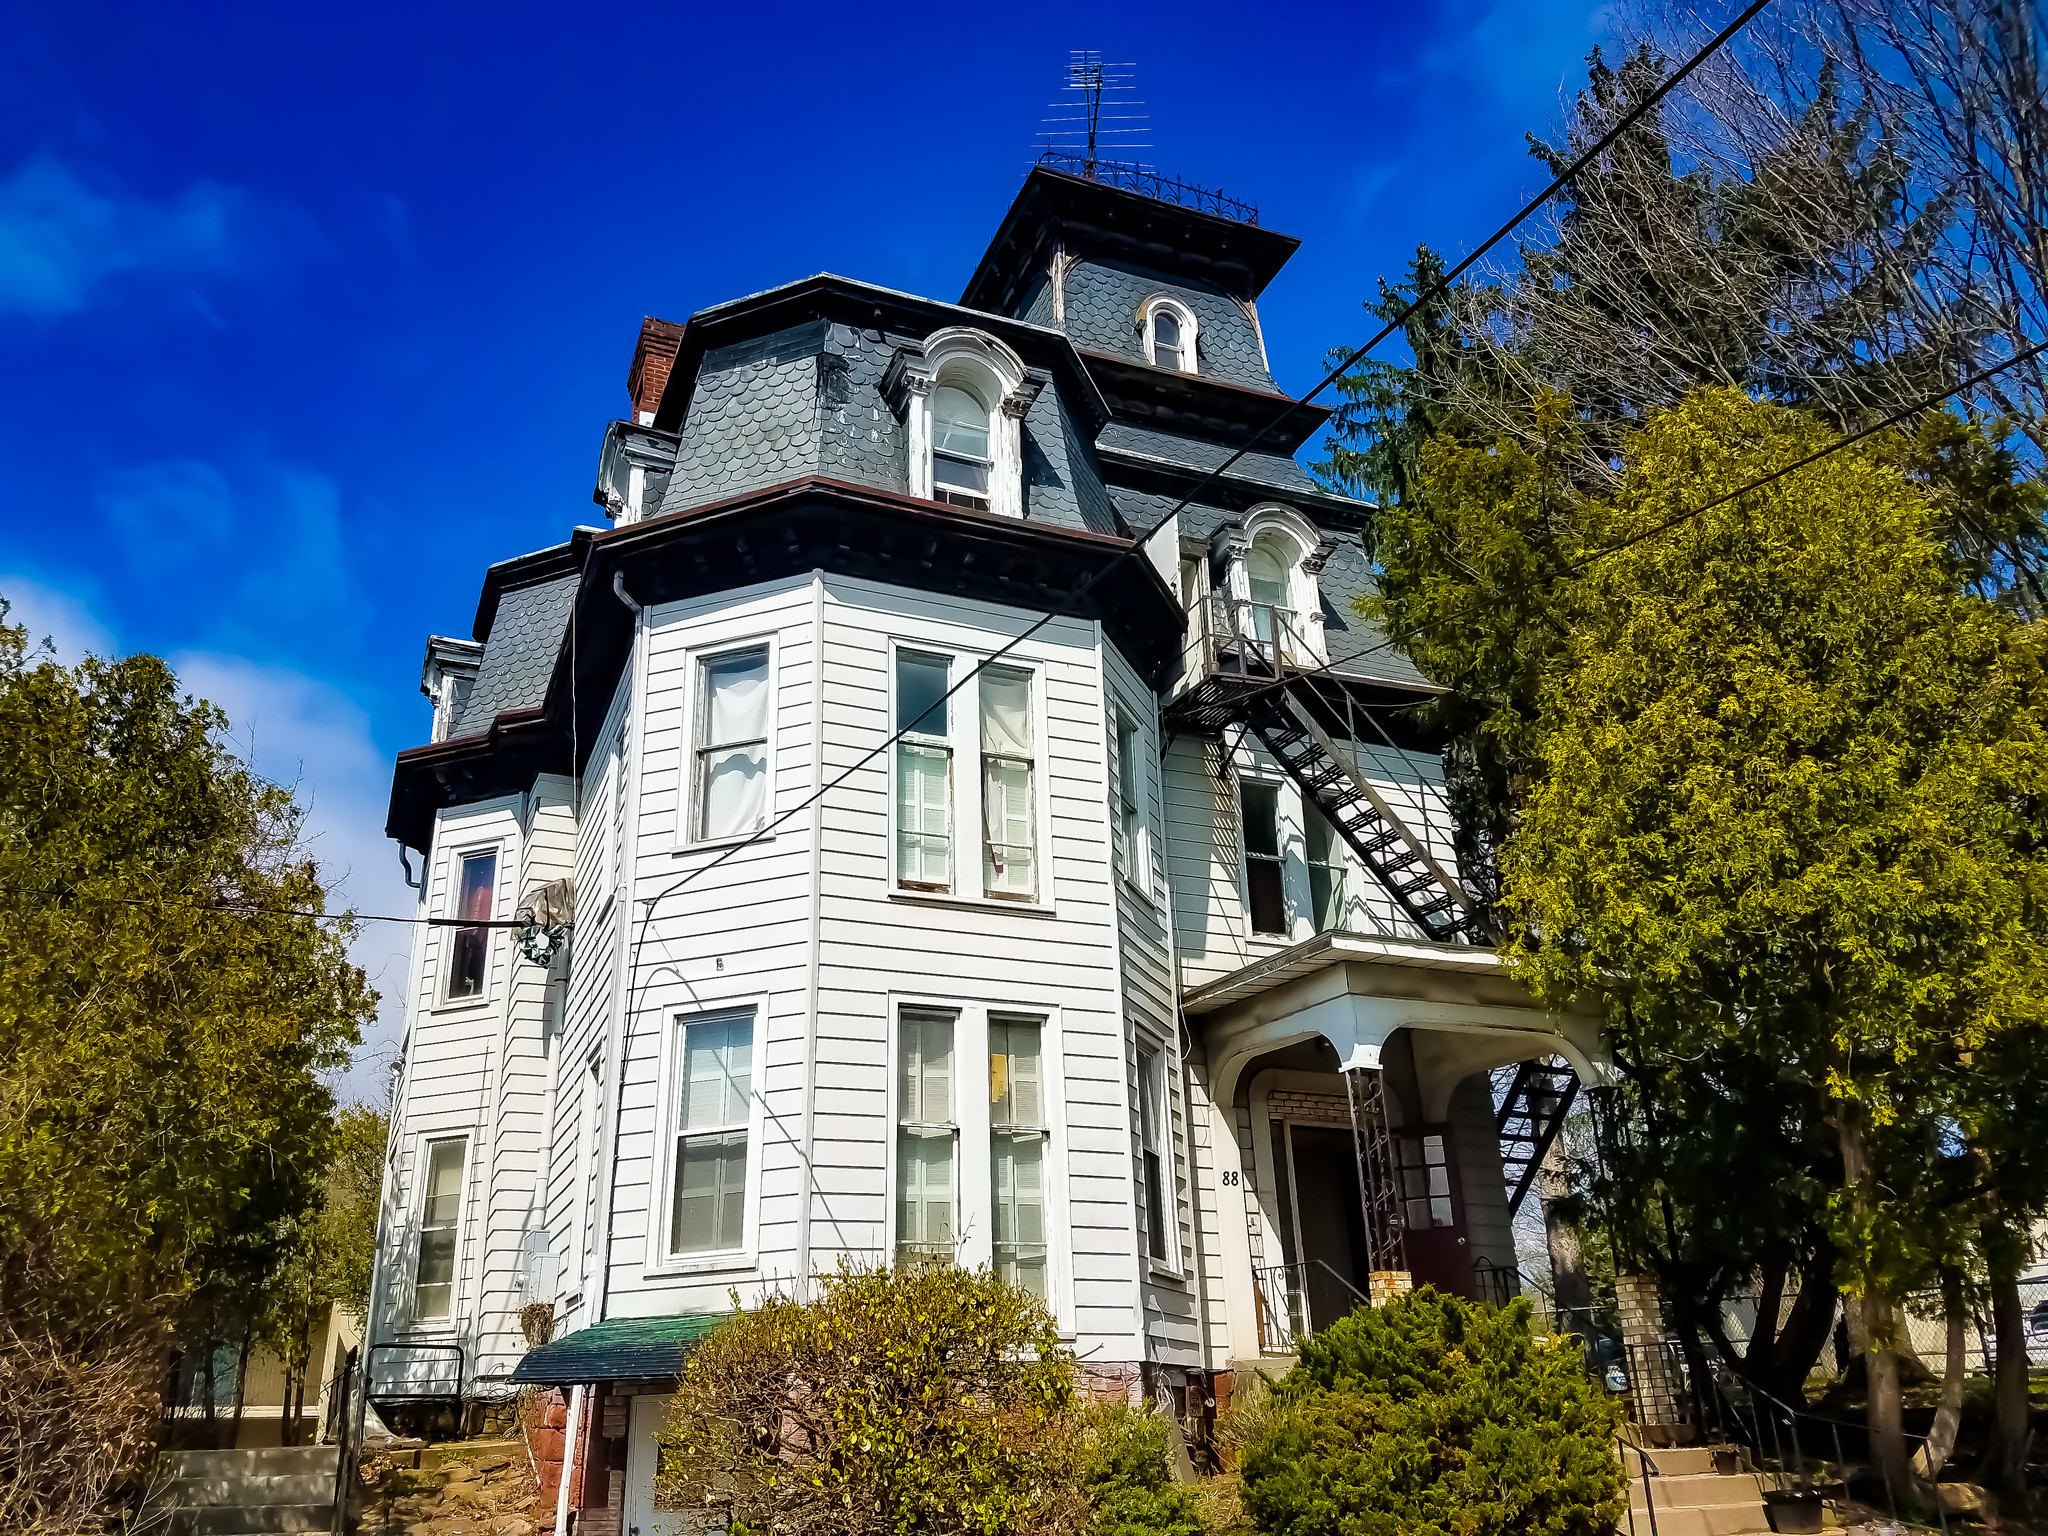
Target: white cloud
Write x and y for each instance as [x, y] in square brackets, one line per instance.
[297, 730]
[56, 616]
[66, 237]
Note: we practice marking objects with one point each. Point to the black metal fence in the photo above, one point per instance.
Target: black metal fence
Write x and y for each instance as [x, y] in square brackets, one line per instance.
[1146, 182]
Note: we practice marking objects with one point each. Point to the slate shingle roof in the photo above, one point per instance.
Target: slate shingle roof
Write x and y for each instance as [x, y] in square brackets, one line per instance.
[1102, 316]
[519, 656]
[1272, 469]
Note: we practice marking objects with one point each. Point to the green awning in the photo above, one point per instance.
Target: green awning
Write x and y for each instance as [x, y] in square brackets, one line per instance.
[617, 1349]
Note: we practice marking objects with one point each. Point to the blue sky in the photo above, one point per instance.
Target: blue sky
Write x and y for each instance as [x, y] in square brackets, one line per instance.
[307, 314]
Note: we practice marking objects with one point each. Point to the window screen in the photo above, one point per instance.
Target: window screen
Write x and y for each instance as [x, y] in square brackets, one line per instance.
[433, 1293]
[1017, 1141]
[927, 1137]
[716, 1065]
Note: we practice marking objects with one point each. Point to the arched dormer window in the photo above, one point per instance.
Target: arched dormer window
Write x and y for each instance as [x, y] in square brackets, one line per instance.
[1275, 581]
[963, 402]
[1169, 328]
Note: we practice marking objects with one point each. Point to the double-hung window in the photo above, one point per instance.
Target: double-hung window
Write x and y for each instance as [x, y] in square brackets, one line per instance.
[1017, 1140]
[1009, 865]
[927, 1138]
[731, 777]
[1325, 870]
[715, 1062]
[470, 948]
[433, 1292]
[960, 448]
[1124, 801]
[1152, 1152]
[924, 774]
[1264, 887]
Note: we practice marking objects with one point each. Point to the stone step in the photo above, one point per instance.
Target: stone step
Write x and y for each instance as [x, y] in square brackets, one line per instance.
[250, 1520]
[274, 1461]
[1699, 1490]
[289, 1488]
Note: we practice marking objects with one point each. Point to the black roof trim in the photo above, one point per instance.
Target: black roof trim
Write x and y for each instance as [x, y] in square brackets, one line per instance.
[1195, 406]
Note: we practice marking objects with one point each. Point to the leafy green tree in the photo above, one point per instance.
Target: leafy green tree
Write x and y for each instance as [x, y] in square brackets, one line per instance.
[1787, 807]
[1430, 1416]
[168, 1000]
[924, 1398]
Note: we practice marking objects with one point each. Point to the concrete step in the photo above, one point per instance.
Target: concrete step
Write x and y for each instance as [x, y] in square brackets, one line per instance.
[250, 1520]
[1700, 1490]
[276, 1461]
[292, 1488]
[1720, 1520]
[1678, 1460]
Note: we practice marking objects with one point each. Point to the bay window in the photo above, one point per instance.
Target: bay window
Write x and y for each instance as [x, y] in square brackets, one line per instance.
[713, 1096]
[1017, 1141]
[469, 948]
[731, 775]
[994, 731]
[1009, 809]
[927, 1137]
[433, 1292]
[924, 774]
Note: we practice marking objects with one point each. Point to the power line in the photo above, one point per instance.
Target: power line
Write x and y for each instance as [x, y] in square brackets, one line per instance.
[1350, 360]
[254, 908]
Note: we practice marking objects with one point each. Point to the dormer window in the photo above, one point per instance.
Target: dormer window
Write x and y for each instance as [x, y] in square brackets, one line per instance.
[960, 448]
[1169, 328]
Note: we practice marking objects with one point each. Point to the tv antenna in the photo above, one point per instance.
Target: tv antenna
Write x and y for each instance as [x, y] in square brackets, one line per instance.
[1095, 122]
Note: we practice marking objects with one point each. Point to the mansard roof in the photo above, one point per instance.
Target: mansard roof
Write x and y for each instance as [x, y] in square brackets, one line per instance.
[1095, 219]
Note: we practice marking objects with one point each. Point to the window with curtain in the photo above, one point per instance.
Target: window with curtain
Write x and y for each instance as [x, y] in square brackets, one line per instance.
[716, 1063]
[960, 450]
[1009, 864]
[1130, 854]
[469, 948]
[1017, 1141]
[924, 774]
[1325, 870]
[1267, 582]
[927, 1137]
[732, 744]
[1158, 1213]
[1166, 341]
[433, 1292]
[1264, 888]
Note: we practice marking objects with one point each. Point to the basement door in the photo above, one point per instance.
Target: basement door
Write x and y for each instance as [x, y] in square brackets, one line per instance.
[643, 1422]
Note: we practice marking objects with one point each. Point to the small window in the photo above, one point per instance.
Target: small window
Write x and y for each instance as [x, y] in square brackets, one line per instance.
[960, 448]
[709, 1210]
[1325, 870]
[1152, 1151]
[732, 744]
[927, 1138]
[1268, 582]
[1017, 1138]
[1008, 769]
[1165, 339]
[433, 1295]
[1425, 1175]
[924, 775]
[471, 947]
[1265, 892]
[1130, 853]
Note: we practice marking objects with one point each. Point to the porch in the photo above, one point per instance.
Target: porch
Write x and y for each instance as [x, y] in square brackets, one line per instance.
[1350, 1081]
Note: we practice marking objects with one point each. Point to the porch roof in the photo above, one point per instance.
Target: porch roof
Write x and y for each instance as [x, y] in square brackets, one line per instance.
[616, 1349]
[1328, 949]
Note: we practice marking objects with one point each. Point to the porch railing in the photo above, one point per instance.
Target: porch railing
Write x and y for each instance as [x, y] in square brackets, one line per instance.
[1287, 1295]
[1236, 638]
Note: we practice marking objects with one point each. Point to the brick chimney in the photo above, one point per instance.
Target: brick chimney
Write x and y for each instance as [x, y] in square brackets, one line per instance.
[652, 360]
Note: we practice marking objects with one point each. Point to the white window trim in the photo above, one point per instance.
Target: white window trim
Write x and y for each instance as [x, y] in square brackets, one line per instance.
[423, 1143]
[1172, 1267]
[963, 736]
[1275, 522]
[977, 362]
[1137, 872]
[1190, 331]
[973, 1173]
[694, 659]
[1288, 837]
[444, 949]
[659, 1263]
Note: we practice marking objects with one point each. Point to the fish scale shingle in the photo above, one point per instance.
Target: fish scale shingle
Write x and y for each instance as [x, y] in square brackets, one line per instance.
[1102, 302]
[519, 656]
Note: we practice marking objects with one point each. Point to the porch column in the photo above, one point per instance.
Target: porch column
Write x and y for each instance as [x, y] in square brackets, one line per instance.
[1652, 1380]
[1385, 1233]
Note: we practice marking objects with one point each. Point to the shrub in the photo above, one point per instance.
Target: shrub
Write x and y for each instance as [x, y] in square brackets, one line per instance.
[1124, 1471]
[922, 1399]
[1433, 1417]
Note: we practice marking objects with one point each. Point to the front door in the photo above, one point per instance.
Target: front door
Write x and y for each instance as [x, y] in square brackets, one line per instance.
[643, 1422]
[1329, 1221]
[1433, 1210]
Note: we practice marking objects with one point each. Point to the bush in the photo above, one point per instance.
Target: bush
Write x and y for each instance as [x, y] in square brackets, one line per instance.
[1124, 1470]
[922, 1399]
[1433, 1417]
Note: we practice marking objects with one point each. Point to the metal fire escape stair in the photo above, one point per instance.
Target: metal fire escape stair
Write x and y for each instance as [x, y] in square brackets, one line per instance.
[1530, 1117]
[1419, 883]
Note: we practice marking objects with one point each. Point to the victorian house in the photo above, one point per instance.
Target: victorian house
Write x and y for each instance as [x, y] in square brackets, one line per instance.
[869, 844]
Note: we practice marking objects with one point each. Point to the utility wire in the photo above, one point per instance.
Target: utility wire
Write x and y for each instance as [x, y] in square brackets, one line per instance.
[1350, 360]
[258, 908]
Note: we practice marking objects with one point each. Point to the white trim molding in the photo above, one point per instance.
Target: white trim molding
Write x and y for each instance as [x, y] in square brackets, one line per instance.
[1190, 330]
[967, 359]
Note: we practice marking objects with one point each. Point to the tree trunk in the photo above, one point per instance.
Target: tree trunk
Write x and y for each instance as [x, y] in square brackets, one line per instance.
[1805, 1333]
[1571, 1291]
[241, 1390]
[1885, 1406]
[1948, 1418]
[1763, 1334]
[2001, 1470]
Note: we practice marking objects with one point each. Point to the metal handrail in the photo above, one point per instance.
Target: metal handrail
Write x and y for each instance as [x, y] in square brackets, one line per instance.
[1130, 176]
[370, 1371]
[1286, 1330]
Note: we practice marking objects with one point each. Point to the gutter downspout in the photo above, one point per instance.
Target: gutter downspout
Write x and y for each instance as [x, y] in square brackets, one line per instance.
[620, 1033]
[570, 1436]
[816, 960]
